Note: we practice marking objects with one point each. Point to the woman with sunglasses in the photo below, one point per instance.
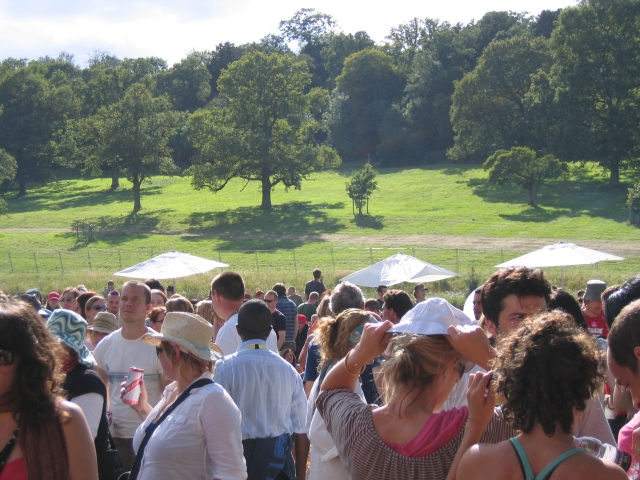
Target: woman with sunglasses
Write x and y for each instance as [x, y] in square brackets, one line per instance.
[335, 338]
[194, 431]
[44, 437]
[94, 305]
[408, 437]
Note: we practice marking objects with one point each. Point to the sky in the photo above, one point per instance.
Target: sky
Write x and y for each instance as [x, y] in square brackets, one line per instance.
[170, 29]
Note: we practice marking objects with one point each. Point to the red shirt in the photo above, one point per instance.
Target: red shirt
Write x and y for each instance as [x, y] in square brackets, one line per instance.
[597, 325]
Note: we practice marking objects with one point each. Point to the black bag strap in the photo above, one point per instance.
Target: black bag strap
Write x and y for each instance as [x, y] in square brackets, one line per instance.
[152, 426]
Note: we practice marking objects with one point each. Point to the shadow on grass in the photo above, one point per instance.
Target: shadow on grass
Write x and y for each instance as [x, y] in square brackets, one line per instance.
[374, 222]
[68, 194]
[288, 225]
[583, 196]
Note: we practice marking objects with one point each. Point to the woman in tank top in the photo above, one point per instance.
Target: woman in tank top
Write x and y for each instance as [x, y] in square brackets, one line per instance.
[546, 370]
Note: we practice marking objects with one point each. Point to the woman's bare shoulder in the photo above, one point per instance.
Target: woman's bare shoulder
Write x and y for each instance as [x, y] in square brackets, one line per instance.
[586, 467]
[487, 461]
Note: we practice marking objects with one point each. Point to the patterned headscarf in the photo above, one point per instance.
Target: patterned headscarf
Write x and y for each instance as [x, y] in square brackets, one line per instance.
[71, 329]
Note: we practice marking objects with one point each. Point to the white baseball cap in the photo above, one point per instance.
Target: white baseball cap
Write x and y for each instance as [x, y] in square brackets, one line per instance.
[431, 317]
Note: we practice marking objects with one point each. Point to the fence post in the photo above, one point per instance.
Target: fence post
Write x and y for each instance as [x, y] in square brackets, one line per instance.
[89, 257]
[295, 265]
[502, 255]
[257, 264]
[371, 254]
[333, 260]
[119, 260]
[60, 257]
[219, 257]
[457, 261]
[35, 261]
[413, 251]
[10, 262]
[152, 253]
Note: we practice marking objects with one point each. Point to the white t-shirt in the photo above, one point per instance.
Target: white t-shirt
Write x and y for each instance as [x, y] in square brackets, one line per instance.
[229, 340]
[115, 355]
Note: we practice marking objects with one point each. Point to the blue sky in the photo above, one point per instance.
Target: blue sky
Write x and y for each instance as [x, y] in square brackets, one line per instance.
[170, 29]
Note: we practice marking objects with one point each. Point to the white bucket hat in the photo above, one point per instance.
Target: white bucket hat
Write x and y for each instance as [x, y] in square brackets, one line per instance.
[431, 317]
[189, 331]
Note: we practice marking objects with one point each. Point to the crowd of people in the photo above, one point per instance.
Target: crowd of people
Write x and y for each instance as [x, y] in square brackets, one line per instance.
[143, 383]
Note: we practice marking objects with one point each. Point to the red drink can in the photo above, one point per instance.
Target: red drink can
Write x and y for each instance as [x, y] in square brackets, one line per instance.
[132, 388]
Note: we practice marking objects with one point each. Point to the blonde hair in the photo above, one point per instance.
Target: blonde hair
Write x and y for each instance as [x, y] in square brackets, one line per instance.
[178, 303]
[205, 310]
[332, 334]
[416, 361]
[187, 361]
[324, 307]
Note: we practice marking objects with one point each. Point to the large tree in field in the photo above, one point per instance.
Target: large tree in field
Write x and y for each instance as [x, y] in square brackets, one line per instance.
[490, 109]
[134, 132]
[261, 128]
[597, 81]
[521, 166]
[35, 107]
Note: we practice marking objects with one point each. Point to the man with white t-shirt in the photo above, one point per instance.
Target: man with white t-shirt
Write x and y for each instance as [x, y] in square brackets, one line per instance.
[118, 352]
[227, 296]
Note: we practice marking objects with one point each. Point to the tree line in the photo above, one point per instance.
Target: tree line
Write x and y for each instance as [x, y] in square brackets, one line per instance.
[562, 84]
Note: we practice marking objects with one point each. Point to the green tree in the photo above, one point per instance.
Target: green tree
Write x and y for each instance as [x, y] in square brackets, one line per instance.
[134, 133]
[261, 128]
[186, 83]
[595, 47]
[366, 88]
[338, 47]
[361, 185]
[490, 110]
[522, 167]
[8, 167]
[35, 107]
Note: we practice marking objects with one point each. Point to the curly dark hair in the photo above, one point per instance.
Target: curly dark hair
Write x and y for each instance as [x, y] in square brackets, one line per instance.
[544, 369]
[38, 377]
[518, 281]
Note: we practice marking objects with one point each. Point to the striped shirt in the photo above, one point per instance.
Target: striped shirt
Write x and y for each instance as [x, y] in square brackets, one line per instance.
[267, 390]
[365, 455]
[290, 310]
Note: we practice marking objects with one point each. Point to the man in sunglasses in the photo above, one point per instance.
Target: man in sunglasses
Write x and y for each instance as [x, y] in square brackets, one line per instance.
[278, 320]
[509, 296]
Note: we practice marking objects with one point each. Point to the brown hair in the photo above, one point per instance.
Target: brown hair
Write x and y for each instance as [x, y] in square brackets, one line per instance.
[324, 307]
[416, 361]
[332, 334]
[178, 304]
[91, 301]
[624, 336]
[205, 310]
[545, 369]
[159, 292]
[38, 377]
[188, 361]
[154, 313]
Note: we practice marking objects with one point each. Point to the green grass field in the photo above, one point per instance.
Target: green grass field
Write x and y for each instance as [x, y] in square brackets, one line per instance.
[316, 223]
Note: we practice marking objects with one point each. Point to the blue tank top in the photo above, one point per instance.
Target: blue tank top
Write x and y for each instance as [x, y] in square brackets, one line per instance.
[526, 466]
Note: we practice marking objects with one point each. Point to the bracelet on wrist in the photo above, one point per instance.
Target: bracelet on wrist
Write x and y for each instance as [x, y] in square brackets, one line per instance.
[346, 359]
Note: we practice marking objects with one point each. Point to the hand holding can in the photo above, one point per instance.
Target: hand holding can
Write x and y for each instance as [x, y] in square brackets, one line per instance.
[132, 387]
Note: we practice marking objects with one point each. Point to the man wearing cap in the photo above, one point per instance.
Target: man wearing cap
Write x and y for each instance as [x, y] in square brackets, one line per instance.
[53, 301]
[420, 292]
[268, 391]
[592, 309]
[227, 296]
[36, 292]
[122, 350]
[509, 296]
[104, 324]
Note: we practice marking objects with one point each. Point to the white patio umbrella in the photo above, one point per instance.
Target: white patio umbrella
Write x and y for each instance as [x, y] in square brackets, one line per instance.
[560, 255]
[397, 269]
[170, 265]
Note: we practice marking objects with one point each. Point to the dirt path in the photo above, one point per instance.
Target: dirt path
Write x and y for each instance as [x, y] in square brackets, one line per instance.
[451, 241]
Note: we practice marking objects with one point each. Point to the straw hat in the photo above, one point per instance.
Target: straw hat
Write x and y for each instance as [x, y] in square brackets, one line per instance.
[104, 322]
[190, 331]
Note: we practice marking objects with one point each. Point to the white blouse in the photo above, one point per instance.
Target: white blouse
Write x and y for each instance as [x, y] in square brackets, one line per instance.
[201, 439]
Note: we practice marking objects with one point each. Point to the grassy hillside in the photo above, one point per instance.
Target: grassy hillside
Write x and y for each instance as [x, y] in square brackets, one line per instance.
[317, 221]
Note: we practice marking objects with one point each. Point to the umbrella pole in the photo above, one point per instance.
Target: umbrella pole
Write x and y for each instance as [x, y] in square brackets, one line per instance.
[562, 268]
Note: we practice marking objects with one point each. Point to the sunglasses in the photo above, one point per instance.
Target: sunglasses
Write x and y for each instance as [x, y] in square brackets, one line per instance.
[6, 357]
[99, 307]
[269, 301]
[67, 299]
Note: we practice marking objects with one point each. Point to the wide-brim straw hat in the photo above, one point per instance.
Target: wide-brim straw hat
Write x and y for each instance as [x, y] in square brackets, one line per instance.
[189, 331]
